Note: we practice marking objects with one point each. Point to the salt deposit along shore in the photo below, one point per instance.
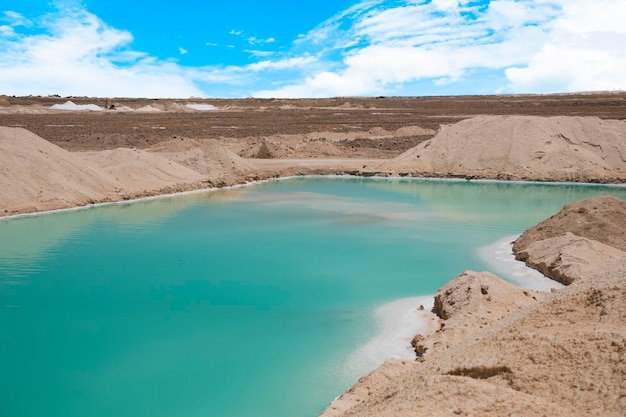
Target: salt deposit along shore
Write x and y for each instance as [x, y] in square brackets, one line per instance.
[502, 350]
[499, 349]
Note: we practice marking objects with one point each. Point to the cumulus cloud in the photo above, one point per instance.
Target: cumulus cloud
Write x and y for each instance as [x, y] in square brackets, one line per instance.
[537, 45]
[585, 51]
[80, 55]
[374, 47]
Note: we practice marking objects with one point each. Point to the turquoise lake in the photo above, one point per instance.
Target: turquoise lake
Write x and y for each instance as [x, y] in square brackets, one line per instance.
[243, 302]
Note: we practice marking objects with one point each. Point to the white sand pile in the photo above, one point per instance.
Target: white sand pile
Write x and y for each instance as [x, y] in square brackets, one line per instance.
[522, 147]
[201, 107]
[139, 170]
[70, 105]
[36, 174]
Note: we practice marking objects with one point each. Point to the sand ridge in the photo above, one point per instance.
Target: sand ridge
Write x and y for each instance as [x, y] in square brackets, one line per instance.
[523, 148]
[495, 147]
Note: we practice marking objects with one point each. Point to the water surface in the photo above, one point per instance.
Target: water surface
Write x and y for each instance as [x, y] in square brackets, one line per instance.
[244, 302]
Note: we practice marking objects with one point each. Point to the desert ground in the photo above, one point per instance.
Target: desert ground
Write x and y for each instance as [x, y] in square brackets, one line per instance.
[497, 349]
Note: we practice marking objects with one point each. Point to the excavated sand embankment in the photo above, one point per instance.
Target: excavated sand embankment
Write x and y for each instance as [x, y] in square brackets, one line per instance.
[36, 175]
[501, 350]
[585, 149]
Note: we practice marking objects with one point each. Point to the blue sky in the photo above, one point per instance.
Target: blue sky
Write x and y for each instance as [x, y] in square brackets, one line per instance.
[276, 48]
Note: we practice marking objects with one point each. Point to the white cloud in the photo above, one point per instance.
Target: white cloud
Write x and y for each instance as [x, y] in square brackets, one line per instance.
[585, 51]
[540, 45]
[183, 51]
[81, 55]
[15, 19]
[259, 53]
[374, 47]
[6, 30]
[284, 64]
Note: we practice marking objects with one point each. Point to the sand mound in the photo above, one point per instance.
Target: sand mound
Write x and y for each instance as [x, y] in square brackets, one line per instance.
[4, 102]
[148, 109]
[36, 174]
[601, 218]
[70, 105]
[523, 147]
[201, 107]
[594, 240]
[569, 258]
[141, 171]
[217, 164]
[412, 131]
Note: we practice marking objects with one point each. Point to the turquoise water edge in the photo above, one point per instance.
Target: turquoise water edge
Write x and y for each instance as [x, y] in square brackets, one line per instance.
[252, 301]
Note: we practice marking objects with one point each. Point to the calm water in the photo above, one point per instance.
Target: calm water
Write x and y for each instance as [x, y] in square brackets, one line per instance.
[245, 302]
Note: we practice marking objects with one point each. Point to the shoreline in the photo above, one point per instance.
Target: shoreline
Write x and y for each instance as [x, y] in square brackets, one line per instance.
[288, 177]
[401, 319]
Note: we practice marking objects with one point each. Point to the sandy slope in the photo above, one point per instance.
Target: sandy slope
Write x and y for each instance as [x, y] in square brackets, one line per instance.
[523, 147]
[36, 175]
[505, 351]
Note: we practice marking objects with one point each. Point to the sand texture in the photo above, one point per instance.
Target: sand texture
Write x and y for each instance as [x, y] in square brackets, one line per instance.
[38, 175]
[603, 221]
[505, 351]
[584, 149]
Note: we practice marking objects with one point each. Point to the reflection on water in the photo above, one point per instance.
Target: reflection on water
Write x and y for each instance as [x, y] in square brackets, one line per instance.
[26, 240]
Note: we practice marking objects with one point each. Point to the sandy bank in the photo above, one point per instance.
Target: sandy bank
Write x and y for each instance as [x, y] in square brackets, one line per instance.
[502, 350]
[36, 175]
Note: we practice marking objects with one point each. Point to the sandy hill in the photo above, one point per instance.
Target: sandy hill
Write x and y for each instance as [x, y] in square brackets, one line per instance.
[218, 165]
[37, 175]
[141, 171]
[523, 147]
[595, 238]
[34, 173]
[502, 351]
[602, 219]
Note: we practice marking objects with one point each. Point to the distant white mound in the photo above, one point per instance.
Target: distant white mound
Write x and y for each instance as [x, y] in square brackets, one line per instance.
[201, 107]
[70, 105]
[148, 109]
